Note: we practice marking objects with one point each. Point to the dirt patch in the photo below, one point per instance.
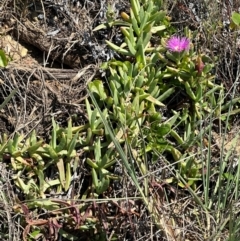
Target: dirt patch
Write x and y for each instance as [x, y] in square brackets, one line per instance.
[43, 93]
[54, 54]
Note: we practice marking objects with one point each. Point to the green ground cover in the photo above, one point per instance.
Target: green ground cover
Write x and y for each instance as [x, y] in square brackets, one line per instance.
[151, 154]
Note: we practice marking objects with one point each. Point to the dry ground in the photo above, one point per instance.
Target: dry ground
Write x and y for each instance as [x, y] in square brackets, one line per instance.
[55, 55]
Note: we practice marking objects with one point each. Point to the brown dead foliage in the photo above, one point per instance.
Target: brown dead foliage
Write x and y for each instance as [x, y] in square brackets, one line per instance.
[64, 54]
[43, 93]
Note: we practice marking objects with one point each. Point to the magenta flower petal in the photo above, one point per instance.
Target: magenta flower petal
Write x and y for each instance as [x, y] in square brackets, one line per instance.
[178, 44]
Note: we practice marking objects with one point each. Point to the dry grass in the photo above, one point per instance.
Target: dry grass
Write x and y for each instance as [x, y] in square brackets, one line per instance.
[184, 218]
[10, 229]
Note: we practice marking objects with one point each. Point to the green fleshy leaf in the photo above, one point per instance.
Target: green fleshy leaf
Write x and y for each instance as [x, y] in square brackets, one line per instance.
[236, 18]
[97, 87]
[3, 59]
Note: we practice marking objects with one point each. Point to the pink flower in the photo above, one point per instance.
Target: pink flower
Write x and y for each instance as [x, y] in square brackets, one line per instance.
[178, 44]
